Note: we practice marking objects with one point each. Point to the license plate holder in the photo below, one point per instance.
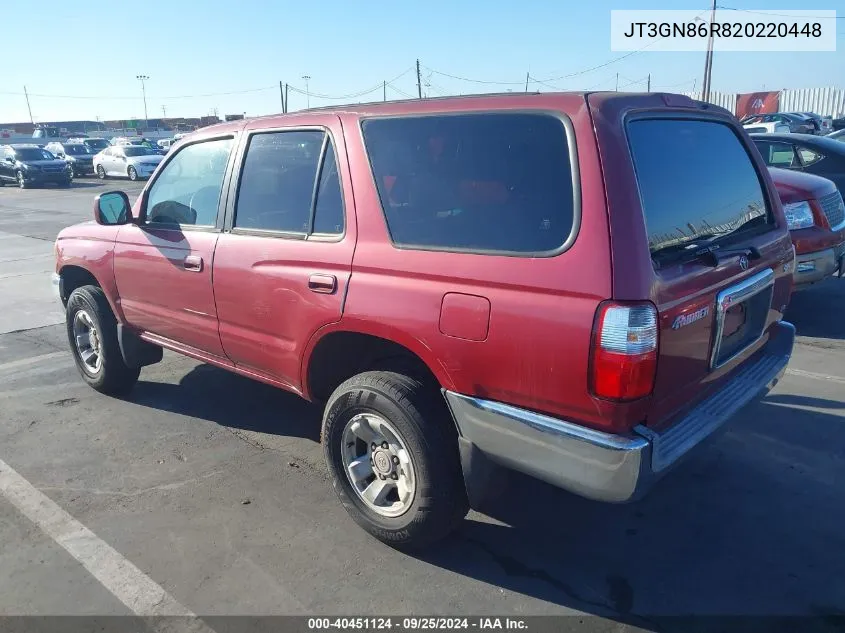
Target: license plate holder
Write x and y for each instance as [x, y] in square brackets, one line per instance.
[742, 312]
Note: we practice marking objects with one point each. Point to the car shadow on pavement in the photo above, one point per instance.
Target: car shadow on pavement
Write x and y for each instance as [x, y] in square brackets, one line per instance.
[817, 311]
[234, 401]
[751, 525]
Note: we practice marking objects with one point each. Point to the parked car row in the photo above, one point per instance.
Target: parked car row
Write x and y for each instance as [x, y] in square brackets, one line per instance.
[787, 122]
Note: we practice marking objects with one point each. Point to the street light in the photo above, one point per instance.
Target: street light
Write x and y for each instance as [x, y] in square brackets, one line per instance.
[307, 78]
[142, 79]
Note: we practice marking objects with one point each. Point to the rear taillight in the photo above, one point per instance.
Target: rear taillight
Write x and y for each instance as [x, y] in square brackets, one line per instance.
[624, 351]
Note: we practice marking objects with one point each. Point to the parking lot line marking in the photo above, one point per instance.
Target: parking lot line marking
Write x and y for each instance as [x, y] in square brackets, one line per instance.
[143, 596]
[32, 360]
[812, 374]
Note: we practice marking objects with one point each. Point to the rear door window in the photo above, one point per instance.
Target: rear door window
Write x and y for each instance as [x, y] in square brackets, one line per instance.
[696, 181]
[778, 154]
[486, 183]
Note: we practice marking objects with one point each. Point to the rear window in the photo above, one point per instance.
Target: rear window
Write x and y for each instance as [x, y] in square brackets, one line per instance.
[499, 183]
[696, 181]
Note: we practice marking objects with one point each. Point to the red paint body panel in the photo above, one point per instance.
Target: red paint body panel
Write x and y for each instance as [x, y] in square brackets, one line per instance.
[91, 246]
[794, 186]
[158, 294]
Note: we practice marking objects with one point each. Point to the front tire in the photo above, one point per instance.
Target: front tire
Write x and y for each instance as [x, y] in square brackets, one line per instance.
[133, 175]
[101, 172]
[20, 180]
[392, 451]
[92, 334]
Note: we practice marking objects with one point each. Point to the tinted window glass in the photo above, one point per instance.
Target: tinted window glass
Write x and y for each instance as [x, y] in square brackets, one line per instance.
[808, 156]
[277, 181]
[480, 182]
[695, 179]
[777, 154]
[328, 214]
[188, 189]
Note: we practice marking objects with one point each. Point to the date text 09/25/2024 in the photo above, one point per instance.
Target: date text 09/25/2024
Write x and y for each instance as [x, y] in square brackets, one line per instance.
[416, 623]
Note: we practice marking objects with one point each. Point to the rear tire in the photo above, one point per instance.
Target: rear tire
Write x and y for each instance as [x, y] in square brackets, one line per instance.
[419, 428]
[101, 172]
[92, 334]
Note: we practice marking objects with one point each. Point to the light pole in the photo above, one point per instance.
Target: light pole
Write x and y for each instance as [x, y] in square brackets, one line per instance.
[142, 79]
[307, 78]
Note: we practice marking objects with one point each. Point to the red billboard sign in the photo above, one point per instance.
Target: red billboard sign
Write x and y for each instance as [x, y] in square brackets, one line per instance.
[756, 103]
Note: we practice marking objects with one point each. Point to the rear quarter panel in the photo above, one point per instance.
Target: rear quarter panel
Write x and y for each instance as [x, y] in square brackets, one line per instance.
[534, 351]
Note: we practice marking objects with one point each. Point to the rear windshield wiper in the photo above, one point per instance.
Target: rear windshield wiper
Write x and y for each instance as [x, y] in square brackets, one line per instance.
[706, 247]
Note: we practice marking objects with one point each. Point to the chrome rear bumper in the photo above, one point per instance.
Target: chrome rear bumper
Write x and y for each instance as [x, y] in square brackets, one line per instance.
[602, 466]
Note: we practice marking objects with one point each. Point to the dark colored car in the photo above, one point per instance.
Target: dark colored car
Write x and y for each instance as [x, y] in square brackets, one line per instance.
[28, 165]
[580, 286]
[78, 155]
[817, 155]
[838, 124]
[815, 215]
[797, 124]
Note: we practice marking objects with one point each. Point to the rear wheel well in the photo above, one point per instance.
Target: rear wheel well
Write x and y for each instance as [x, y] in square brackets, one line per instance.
[74, 277]
[341, 355]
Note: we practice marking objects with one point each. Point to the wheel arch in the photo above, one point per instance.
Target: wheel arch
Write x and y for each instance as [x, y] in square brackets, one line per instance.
[74, 275]
[340, 350]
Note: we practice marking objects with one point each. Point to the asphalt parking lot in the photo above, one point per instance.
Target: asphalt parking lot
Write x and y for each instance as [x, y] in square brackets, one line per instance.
[213, 487]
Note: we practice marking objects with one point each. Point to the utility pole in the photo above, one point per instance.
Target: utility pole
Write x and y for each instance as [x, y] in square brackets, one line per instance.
[307, 78]
[31, 120]
[648, 85]
[617, 83]
[384, 91]
[286, 98]
[142, 79]
[708, 62]
[419, 81]
[282, 97]
[527, 77]
[163, 112]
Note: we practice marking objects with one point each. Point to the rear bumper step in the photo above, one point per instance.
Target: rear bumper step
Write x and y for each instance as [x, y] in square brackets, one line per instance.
[602, 466]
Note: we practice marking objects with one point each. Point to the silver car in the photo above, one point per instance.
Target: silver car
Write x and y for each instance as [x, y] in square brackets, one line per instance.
[130, 161]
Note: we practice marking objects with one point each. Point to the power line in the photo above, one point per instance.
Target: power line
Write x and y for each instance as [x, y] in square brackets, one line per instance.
[551, 79]
[401, 92]
[783, 15]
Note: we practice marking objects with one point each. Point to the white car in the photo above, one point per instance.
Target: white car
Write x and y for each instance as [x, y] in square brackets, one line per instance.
[772, 127]
[130, 161]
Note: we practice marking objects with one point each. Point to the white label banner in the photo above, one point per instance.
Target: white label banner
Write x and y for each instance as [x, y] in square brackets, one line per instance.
[800, 30]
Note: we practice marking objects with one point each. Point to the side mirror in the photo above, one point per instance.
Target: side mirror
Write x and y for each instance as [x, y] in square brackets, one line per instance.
[10, 159]
[112, 208]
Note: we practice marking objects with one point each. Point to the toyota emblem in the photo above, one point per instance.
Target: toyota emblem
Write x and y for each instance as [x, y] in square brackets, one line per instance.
[743, 262]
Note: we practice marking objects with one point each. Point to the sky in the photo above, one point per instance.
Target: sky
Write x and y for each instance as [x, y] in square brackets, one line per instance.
[80, 60]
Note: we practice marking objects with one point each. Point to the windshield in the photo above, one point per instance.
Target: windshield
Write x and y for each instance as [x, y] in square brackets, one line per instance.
[696, 181]
[97, 143]
[76, 150]
[136, 150]
[33, 153]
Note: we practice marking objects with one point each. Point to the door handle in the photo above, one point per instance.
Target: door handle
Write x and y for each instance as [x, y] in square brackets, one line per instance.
[193, 263]
[325, 284]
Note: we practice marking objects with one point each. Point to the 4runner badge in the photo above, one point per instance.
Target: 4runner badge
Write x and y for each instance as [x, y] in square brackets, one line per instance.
[685, 319]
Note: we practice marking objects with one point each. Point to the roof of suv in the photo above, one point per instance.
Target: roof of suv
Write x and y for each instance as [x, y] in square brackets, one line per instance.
[475, 102]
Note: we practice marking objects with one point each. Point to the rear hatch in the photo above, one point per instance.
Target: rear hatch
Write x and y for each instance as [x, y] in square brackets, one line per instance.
[697, 229]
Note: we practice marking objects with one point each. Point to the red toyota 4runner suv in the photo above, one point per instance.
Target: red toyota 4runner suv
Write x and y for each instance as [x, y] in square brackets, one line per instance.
[581, 287]
[815, 216]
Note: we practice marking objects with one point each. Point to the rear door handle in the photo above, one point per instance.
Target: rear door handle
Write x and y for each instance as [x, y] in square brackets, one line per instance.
[193, 263]
[326, 284]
